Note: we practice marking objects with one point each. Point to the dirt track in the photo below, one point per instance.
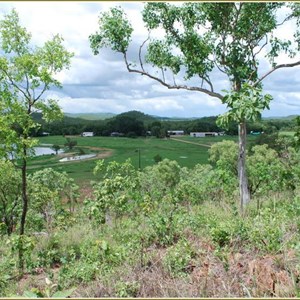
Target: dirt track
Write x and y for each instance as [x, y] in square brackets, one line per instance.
[182, 141]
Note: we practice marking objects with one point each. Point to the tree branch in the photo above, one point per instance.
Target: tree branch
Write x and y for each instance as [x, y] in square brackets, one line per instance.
[15, 85]
[291, 65]
[169, 86]
[42, 92]
[140, 53]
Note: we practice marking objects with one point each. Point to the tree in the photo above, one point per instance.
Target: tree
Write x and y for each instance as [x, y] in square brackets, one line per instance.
[70, 143]
[26, 74]
[10, 188]
[48, 188]
[201, 39]
[56, 148]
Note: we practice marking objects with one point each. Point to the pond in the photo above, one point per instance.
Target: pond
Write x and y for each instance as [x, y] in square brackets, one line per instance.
[41, 151]
[45, 150]
[77, 157]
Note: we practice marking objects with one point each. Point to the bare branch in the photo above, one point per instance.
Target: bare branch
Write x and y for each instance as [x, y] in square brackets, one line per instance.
[40, 95]
[265, 44]
[15, 85]
[140, 52]
[285, 20]
[174, 79]
[27, 85]
[169, 86]
[208, 81]
[219, 68]
[291, 65]
[163, 74]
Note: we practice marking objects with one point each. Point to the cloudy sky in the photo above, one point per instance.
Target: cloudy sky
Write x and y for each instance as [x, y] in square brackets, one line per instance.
[102, 84]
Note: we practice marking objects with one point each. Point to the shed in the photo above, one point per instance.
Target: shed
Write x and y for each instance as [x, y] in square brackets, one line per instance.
[87, 134]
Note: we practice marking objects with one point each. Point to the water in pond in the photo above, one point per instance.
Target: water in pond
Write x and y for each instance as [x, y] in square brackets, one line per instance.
[41, 151]
[45, 150]
[77, 157]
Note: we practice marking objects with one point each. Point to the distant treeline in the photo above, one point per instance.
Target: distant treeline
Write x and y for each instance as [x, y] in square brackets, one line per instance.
[135, 123]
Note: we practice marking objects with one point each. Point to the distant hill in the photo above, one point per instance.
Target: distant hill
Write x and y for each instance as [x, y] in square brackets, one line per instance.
[91, 116]
[287, 118]
[133, 114]
[137, 115]
[174, 118]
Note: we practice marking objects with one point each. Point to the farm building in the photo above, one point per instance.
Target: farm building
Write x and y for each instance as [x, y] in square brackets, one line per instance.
[86, 134]
[175, 132]
[203, 134]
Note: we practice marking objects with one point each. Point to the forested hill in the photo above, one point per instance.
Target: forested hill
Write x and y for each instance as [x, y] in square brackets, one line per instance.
[91, 116]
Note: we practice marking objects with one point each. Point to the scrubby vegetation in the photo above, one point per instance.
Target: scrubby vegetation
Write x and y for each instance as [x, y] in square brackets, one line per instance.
[166, 231]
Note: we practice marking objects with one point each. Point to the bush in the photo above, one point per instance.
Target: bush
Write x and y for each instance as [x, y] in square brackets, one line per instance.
[178, 260]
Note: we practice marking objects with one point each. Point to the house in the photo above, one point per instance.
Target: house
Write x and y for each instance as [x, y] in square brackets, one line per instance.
[175, 132]
[86, 134]
[203, 134]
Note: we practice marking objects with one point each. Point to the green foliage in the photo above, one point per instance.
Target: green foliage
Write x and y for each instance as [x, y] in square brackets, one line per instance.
[268, 230]
[266, 171]
[160, 54]
[297, 134]
[115, 193]
[49, 291]
[178, 259]
[47, 189]
[164, 224]
[199, 184]
[221, 235]
[114, 31]
[127, 289]
[26, 73]
[23, 243]
[245, 104]
[157, 158]
[160, 179]
[10, 200]
[70, 143]
[223, 155]
[56, 148]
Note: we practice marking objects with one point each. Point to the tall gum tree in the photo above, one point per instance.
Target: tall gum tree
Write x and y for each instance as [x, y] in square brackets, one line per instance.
[26, 73]
[201, 39]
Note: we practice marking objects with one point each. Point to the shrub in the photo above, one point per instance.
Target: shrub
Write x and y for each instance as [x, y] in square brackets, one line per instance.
[178, 260]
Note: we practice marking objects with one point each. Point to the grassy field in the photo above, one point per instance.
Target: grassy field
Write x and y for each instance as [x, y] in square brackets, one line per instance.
[187, 151]
[287, 133]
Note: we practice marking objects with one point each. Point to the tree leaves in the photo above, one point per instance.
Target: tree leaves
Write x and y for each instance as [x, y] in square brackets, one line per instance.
[245, 105]
[114, 31]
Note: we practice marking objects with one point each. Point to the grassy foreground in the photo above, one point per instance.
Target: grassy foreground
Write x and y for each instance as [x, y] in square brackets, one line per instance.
[202, 251]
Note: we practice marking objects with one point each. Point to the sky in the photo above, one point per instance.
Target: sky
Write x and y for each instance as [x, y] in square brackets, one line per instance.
[102, 83]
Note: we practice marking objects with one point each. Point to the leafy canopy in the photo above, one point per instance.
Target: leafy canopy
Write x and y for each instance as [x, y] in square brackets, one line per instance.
[26, 73]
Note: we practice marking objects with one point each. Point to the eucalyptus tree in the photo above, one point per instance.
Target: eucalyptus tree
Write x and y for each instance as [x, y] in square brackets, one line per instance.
[197, 41]
[26, 73]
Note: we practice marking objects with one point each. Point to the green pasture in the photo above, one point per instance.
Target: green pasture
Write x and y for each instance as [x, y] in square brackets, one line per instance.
[287, 133]
[186, 154]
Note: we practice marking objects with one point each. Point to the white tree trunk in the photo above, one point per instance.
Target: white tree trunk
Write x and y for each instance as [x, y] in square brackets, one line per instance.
[243, 179]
